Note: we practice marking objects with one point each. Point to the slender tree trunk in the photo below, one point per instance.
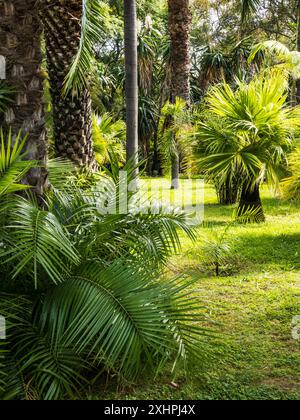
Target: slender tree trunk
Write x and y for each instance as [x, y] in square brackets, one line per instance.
[20, 32]
[131, 90]
[298, 49]
[72, 115]
[179, 28]
[250, 202]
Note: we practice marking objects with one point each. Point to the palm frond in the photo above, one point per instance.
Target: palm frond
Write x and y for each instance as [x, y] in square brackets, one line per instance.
[35, 239]
[122, 319]
[94, 15]
[13, 167]
[248, 7]
[6, 96]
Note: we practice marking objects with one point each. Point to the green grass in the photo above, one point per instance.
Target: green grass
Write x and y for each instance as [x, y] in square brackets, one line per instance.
[253, 302]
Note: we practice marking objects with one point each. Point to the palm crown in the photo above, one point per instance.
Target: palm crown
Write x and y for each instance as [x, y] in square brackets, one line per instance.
[248, 131]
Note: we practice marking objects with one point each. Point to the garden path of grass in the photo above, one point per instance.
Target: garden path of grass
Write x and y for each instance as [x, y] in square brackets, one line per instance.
[254, 301]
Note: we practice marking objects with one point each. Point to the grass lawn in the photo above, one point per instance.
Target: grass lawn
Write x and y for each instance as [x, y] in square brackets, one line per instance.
[253, 301]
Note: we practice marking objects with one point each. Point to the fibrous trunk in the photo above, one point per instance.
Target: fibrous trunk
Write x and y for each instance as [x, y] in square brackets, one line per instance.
[228, 192]
[72, 114]
[179, 29]
[20, 45]
[250, 205]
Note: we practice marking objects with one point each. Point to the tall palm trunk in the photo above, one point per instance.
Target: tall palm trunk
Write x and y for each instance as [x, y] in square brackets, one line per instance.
[131, 70]
[298, 49]
[179, 29]
[72, 115]
[20, 32]
[250, 204]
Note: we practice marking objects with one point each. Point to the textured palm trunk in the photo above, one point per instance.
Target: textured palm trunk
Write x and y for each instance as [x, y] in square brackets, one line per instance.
[228, 193]
[20, 32]
[250, 204]
[180, 19]
[131, 89]
[72, 115]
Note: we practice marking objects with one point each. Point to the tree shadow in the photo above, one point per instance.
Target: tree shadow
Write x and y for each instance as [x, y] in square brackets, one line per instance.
[280, 250]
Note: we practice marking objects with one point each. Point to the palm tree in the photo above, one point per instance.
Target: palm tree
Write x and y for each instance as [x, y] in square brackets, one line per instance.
[94, 300]
[20, 45]
[179, 30]
[250, 6]
[131, 78]
[278, 55]
[72, 109]
[247, 135]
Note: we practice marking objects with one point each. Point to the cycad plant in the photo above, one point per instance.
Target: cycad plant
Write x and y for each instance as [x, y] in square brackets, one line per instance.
[247, 135]
[81, 290]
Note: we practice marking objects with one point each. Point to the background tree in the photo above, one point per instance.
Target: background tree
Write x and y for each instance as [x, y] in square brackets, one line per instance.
[179, 29]
[20, 44]
[131, 80]
[72, 111]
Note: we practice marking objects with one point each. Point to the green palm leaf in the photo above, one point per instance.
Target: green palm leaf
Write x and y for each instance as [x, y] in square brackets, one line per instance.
[35, 239]
[123, 319]
[13, 167]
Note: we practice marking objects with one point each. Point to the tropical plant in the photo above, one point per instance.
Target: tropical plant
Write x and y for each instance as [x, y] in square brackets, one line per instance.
[6, 96]
[176, 136]
[248, 7]
[248, 134]
[81, 291]
[216, 250]
[13, 167]
[291, 185]
[180, 19]
[108, 135]
[278, 55]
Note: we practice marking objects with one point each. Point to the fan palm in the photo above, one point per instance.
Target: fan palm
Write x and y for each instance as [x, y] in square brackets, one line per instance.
[248, 135]
[291, 185]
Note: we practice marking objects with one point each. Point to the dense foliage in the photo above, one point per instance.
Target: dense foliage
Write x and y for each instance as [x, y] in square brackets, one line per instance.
[84, 288]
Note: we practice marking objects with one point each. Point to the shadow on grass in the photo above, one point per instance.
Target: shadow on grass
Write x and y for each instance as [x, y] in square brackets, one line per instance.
[280, 250]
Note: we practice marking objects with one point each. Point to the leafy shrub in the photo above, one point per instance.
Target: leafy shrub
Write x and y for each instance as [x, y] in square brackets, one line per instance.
[82, 290]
